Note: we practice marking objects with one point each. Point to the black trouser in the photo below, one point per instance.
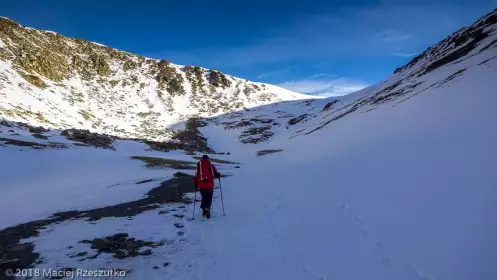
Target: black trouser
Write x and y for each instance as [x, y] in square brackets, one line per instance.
[206, 198]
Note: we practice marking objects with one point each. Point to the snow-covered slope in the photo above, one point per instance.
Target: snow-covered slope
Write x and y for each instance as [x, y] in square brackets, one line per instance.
[53, 81]
[470, 49]
[401, 192]
[396, 181]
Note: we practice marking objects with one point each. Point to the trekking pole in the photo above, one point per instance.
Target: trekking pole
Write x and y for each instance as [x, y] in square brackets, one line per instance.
[194, 197]
[194, 200]
[222, 199]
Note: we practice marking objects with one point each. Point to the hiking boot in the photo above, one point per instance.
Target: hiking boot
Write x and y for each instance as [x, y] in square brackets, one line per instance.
[208, 213]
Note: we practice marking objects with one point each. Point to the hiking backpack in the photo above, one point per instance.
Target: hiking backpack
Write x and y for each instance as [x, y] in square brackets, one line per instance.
[206, 172]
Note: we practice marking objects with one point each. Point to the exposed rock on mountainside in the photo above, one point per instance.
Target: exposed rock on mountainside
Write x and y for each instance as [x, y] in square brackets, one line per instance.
[88, 138]
[454, 47]
[255, 135]
[267, 152]
[218, 79]
[296, 120]
[168, 79]
[72, 83]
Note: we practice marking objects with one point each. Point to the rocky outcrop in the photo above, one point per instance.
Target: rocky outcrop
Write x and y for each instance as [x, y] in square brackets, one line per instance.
[38, 129]
[218, 79]
[34, 145]
[296, 120]
[121, 246]
[256, 135]
[88, 138]
[267, 152]
[454, 47]
[192, 137]
[329, 105]
[169, 79]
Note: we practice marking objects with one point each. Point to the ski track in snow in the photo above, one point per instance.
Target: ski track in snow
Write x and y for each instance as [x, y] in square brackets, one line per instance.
[264, 239]
[384, 254]
[284, 227]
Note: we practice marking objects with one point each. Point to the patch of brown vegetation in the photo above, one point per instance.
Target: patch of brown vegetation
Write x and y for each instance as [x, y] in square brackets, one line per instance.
[296, 120]
[256, 135]
[92, 139]
[33, 145]
[217, 160]
[237, 124]
[267, 152]
[33, 79]
[329, 105]
[192, 137]
[260, 120]
[155, 162]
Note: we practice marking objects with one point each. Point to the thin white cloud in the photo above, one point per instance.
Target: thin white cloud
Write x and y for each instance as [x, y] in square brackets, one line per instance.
[349, 32]
[404, 54]
[324, 87]
[320, 75]
[273, 73]
[395, 36]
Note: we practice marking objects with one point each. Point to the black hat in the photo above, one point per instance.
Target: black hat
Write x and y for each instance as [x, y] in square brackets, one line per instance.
[205, 157]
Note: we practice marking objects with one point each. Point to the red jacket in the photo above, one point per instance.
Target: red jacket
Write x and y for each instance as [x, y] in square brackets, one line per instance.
[206, 166]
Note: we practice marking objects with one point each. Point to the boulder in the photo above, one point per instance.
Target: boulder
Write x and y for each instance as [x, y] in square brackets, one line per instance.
[39, 129]
[179, 225]
[39, 136]
[89, 138]
[101, 244]
[121, 254]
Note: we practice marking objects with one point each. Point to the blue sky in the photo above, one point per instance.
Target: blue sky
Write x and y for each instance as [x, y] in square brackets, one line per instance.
[319, 47]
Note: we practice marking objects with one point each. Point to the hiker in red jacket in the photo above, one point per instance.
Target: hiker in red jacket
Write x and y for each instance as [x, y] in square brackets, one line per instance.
[204, 180]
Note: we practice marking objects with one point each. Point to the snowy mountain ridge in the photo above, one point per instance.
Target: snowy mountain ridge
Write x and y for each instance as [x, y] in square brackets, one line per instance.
[396, 181]
[441, 65]
[50, 80]
[58, 82]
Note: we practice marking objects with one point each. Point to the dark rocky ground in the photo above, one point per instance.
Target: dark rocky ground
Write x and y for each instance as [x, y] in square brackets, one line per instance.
[267, 152]
[189, 140]
[34, 145]
[16, 255]
[157, 162]
[120, 245]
